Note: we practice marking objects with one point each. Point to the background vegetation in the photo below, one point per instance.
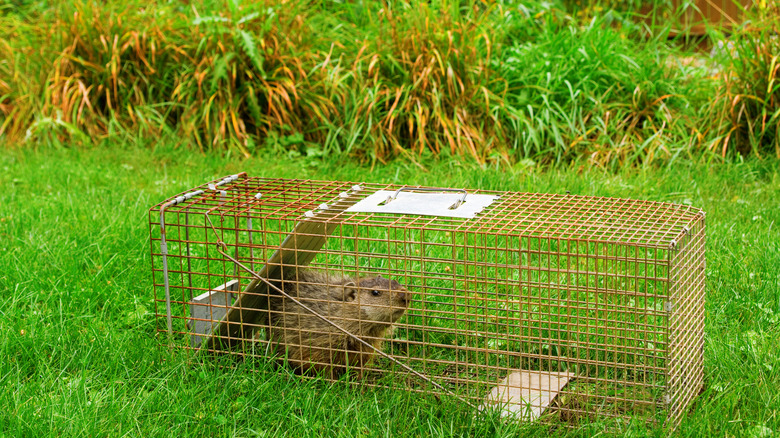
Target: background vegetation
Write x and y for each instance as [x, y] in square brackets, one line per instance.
[496, 81]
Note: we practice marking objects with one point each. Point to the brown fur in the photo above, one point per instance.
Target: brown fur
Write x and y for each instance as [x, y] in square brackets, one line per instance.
[312, 344]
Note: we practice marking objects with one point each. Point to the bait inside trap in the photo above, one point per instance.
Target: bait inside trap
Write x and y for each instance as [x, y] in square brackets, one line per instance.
[555, 308]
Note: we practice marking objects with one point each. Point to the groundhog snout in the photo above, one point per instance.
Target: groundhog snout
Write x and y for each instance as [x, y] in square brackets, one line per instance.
[403, 298]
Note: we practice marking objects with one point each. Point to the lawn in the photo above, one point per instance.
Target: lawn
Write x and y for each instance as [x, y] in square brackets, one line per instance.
[79, 346]
[107, 108]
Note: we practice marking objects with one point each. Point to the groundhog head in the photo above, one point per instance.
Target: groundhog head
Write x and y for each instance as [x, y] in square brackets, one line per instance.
[380, 299]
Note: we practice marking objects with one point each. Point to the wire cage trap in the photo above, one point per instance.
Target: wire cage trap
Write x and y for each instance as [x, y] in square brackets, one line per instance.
[559, 308]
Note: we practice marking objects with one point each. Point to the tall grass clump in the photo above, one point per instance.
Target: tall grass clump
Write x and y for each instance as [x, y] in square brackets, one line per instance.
[22, 75]
[114, 62]
[424, 82]
[588, 91]
[746, 111]
[252, 75]
[222, 74]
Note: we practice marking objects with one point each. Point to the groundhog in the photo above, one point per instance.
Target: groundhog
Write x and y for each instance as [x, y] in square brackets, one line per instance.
[365, 307]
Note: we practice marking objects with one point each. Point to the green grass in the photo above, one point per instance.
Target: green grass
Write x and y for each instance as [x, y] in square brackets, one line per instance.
[81, 357]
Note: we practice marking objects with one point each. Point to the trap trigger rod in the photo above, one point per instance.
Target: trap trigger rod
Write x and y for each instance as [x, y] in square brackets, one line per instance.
[346, 332]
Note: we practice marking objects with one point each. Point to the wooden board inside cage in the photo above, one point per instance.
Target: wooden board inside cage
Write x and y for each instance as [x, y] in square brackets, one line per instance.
[525, 395]
[609, 290]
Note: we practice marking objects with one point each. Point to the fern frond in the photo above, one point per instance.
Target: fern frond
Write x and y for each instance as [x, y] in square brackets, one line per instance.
[247, 43]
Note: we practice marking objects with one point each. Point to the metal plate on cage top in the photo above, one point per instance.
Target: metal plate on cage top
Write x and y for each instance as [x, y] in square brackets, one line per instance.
[424, 202]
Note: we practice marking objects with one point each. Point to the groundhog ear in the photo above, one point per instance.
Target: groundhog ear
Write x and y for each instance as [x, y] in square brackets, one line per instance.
[350, 291]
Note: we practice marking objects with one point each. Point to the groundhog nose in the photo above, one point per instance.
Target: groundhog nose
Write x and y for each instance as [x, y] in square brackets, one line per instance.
[404, 297]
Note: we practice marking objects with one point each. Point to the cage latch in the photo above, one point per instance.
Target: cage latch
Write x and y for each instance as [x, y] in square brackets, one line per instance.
[409, 189]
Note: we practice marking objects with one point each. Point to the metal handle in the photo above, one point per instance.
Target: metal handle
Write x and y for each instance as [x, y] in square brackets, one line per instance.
[419, 189]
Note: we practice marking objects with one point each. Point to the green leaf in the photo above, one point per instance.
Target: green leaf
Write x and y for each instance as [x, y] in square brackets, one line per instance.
[209, 20]
[253, 104]
[247, 43]
[233, 6]
[219, 72]
[248, 17]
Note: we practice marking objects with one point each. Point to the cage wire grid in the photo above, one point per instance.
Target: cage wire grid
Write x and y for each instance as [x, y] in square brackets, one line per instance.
[607, 293]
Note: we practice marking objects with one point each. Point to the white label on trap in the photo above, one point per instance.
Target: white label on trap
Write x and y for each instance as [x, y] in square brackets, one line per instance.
[424, 204]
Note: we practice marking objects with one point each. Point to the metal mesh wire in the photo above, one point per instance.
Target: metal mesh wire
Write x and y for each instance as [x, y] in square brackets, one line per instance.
[606, 292]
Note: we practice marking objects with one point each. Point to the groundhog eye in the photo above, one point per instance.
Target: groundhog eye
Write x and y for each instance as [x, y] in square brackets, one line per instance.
[375, 293]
